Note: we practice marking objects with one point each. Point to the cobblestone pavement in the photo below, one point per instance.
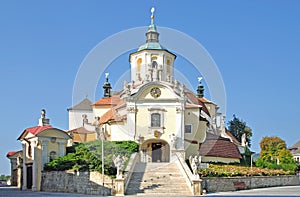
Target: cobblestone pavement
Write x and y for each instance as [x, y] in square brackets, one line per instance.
[272, 191]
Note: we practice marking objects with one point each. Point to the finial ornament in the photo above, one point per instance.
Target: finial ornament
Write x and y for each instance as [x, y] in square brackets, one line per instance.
[152, 15]
[106, 76]
[199, 79]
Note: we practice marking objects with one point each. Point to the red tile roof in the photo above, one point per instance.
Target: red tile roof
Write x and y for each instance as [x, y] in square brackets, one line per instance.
[111, 115]
[113, 100]
[216, 146]
[11, 153]
[34, 130]
[205, 100]
[197, 101]
[232, 137]
[38, 129]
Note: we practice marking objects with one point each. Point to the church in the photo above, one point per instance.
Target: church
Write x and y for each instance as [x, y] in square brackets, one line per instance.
[153, 109]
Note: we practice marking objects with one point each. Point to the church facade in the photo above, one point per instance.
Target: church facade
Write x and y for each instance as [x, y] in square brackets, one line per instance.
[153, 109]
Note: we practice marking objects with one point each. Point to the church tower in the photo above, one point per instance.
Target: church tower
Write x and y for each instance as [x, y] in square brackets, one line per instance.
[152, 62]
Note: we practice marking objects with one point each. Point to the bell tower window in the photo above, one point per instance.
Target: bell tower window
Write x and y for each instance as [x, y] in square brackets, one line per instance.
[138, 64]
[154, 64]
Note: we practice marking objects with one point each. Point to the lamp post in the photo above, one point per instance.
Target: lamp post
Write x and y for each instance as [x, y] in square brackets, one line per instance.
[102, 153]
[97, 128]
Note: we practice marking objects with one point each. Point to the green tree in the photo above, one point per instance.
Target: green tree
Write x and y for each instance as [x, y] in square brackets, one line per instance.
[4, 177]
[238, 127]
[274, 154]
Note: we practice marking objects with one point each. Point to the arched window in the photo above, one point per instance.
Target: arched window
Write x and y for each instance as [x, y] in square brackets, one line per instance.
[52, 155]
[155, 120]
[138, 64]
[168, 66]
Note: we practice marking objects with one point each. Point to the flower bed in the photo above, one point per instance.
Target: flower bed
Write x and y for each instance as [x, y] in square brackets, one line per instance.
[216, 170]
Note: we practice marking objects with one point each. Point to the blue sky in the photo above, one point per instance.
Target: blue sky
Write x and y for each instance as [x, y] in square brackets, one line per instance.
[256, 45]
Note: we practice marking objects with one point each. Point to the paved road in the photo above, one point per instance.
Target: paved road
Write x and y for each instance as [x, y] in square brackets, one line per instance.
[273, 191]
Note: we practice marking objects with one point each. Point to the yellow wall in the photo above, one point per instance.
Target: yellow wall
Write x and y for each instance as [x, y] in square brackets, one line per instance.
[198, 132]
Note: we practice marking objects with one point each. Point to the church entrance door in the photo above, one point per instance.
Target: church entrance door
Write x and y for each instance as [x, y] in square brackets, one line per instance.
[156, 152]
[29, 177]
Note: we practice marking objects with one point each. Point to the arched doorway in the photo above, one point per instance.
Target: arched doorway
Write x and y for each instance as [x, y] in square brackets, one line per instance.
[155, 150]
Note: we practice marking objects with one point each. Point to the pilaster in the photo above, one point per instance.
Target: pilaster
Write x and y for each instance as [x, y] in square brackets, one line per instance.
[34, 167]
[45, 158]
[24, 185]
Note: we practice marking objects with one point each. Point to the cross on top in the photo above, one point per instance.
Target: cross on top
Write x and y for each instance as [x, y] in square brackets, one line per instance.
[152, 15]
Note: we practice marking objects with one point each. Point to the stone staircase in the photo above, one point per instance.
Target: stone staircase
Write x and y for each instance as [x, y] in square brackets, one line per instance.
[158, 179]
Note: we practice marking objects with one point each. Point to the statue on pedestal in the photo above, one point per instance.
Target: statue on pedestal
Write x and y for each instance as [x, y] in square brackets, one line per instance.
[173, 141]
[119, 163]
[194, 162]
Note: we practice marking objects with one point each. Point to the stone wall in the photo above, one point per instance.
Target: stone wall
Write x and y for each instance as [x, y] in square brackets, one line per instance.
[76, 182]
[237, 183]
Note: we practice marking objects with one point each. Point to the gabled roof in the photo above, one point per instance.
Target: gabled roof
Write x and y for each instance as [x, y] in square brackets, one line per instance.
[205, 100]
[111, 115]
[39, 129]
[34, 130]
[234, 140]
[113, 100]
[217, 146]
[85, 104]
[295, 146]
[80, 130]
[11, 153]
[197, 101]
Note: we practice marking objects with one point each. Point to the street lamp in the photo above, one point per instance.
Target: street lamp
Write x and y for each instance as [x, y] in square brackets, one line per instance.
[97, 128]
[102, 142]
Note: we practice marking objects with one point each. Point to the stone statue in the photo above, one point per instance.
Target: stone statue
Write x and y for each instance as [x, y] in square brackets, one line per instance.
[119, 163]
[176, 83]
[127, 88]
[84, 119]
[173, 141]
[194, 162]
[243, 140]
[169, 78]
[182, 87]
[147, 77]
[43, 113]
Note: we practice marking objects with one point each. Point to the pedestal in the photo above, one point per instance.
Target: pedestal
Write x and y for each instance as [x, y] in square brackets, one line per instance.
[119, 187]
[197, 187]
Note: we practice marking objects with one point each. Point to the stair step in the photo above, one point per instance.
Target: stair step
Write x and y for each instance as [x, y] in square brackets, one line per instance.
[157, 178]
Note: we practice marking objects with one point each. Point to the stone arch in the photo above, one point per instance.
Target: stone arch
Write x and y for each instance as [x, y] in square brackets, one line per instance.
[155, 150]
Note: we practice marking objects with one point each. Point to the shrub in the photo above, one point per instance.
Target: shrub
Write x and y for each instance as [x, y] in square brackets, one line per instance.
[217, 170]
[88, 156]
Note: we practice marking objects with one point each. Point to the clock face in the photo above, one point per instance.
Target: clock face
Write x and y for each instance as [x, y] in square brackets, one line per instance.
[155, 92]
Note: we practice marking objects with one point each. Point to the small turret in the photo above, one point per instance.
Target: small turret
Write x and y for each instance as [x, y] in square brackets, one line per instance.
[200, 89]
[106, 87]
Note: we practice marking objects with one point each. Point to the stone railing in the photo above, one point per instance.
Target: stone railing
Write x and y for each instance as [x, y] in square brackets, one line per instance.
[130, 168]
[223, 184]
[185, 170]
